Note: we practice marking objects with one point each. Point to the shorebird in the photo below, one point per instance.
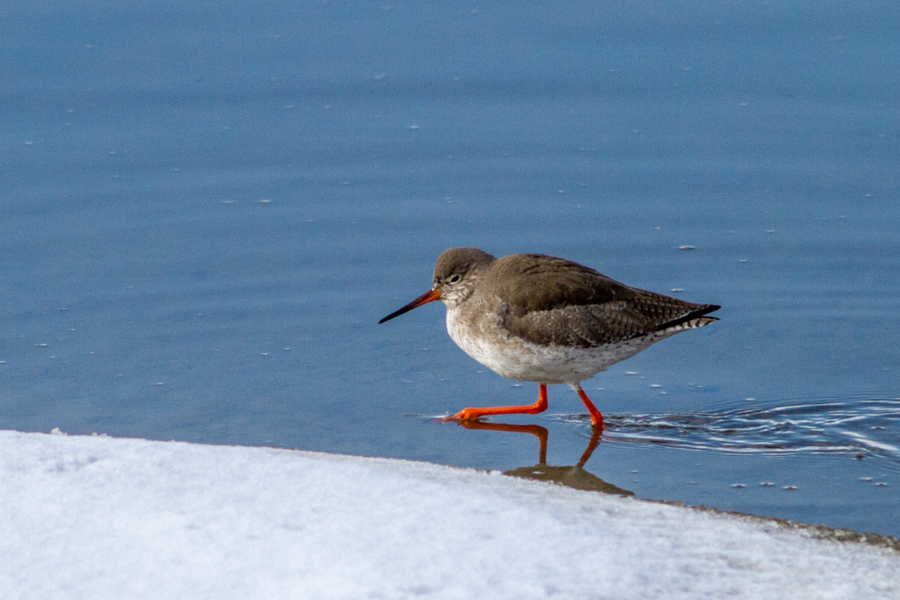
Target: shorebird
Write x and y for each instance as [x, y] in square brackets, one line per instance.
[532, 317]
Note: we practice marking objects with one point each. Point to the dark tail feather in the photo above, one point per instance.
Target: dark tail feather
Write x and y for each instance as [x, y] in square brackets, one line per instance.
[702, 310]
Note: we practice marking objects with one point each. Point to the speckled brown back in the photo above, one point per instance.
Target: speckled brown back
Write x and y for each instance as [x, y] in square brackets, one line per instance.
[550, 300]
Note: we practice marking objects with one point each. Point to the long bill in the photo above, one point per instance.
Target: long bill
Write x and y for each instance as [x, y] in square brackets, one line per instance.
[429, 296]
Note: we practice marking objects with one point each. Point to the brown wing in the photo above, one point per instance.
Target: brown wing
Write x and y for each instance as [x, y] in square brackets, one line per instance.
[555, 301]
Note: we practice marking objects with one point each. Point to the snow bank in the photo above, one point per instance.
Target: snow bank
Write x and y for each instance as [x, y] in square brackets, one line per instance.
[121, 518]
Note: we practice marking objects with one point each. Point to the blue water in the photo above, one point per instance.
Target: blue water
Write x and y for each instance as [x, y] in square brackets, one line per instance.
[204, 211]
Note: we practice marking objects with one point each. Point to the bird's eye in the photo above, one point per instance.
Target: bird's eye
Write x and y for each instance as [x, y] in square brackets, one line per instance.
[454, 278]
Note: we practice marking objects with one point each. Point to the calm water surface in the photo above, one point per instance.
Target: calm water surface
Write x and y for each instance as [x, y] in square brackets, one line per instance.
[204, 211]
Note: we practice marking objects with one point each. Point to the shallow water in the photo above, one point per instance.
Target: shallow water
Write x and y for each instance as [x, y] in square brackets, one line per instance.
[206, 210]
[858, 427]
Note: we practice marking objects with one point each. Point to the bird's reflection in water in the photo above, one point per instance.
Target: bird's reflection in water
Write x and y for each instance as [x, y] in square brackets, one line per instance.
[573, 477]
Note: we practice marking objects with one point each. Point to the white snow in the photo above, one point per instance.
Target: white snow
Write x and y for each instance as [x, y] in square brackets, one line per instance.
[97, 517]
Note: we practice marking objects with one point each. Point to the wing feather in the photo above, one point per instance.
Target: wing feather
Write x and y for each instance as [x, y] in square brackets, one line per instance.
[555, 301]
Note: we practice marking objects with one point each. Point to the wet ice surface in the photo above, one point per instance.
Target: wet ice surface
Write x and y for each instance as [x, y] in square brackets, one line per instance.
[203, 221]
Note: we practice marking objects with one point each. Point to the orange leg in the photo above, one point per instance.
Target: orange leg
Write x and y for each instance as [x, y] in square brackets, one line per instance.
[473, 413]
[596, 417]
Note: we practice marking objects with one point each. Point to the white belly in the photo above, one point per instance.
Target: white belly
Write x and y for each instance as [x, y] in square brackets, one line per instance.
[515, 358]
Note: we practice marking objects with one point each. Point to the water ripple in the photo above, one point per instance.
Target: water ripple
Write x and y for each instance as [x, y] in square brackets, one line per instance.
[859, 427]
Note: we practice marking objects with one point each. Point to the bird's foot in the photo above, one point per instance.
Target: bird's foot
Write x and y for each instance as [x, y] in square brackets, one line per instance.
[466, 414]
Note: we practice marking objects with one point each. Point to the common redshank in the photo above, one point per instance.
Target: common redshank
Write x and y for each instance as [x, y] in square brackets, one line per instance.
[538, 318]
